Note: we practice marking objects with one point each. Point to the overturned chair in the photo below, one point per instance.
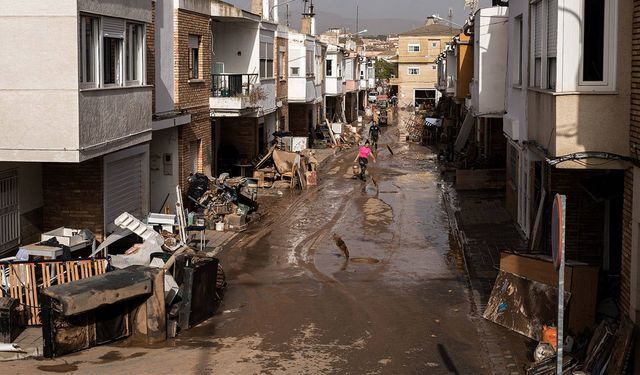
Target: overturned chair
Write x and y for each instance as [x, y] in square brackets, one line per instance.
[90, 312]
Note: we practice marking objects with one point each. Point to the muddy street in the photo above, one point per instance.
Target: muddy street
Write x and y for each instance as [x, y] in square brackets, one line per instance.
[296, 305]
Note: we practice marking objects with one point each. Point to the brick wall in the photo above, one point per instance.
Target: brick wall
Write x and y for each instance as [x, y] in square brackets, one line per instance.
[585, 216]
[193, 95]
[282, 88]
[73, 195]
[151, 54]
[634, 139]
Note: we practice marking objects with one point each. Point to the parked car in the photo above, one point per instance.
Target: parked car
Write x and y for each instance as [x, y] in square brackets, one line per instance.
[373, 96]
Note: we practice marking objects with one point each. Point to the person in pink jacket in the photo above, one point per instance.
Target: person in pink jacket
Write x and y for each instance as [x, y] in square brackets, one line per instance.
[363, 158]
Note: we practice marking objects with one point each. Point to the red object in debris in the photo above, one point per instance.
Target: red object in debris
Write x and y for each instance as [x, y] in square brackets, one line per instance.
[312, 178]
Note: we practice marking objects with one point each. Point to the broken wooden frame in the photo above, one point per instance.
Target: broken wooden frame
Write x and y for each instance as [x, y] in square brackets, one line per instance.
[24, 280]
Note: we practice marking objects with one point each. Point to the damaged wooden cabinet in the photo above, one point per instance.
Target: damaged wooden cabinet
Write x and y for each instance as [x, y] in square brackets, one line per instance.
[105, 308]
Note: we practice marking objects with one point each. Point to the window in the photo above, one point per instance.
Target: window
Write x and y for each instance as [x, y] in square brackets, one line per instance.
[295, 71]
[113, 30]
[413, 71]
[434, 67]
[434, 44]
[517, 62]
[329, 68]
[536, 24]
[414, 47]
[194, 56]
[111, 52]
[594, 35]
[266, 60]
[552, 42]
[309, 63]
[134, 44]
[112, 62]
[88, 51]
[281, 65]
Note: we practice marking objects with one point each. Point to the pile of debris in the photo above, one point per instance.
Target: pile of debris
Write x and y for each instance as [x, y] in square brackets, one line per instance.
[223, 201]
[284, 169]
[140, 283]
[524, 300]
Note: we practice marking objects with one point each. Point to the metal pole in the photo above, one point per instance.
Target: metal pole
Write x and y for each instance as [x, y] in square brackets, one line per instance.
[560, 335]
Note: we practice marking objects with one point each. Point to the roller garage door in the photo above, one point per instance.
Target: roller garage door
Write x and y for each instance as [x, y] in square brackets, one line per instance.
[125, 185]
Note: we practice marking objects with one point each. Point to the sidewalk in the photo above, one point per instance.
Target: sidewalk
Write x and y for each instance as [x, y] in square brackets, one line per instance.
[483, 228]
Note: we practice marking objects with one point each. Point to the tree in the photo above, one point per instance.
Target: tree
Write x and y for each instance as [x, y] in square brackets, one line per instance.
[384, 69]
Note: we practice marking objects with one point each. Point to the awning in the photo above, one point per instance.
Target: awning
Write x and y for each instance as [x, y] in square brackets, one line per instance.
[465, 131]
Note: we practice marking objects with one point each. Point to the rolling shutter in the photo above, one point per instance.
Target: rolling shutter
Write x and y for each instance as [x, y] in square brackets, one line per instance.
[124, 188]
[537, 14]
[552, 28]
[113, 27]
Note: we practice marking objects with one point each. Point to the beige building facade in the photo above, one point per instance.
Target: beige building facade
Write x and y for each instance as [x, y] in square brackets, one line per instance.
[418, 50]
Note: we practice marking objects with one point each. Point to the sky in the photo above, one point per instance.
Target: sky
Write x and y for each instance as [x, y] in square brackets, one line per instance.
[377, 16]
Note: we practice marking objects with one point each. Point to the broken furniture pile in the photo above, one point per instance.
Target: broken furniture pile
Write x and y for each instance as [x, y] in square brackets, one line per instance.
[284, 169]
[224, 202]
[524, 300]
[342, 135]
[149, 292]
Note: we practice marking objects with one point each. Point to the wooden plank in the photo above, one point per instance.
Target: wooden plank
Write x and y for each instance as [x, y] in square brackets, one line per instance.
[34, 297]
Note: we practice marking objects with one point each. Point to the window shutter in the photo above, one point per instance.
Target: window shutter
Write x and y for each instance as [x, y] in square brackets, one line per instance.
[537, 13]
[113, 27]
[552, 28]
[194, 41]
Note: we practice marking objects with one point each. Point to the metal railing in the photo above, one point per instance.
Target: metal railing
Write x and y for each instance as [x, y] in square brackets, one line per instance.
[232, 85]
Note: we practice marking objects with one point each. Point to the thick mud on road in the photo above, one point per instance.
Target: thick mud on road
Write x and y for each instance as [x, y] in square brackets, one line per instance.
[296, 305]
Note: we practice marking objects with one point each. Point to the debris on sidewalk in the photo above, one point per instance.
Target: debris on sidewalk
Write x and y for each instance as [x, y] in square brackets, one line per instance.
[522, 305]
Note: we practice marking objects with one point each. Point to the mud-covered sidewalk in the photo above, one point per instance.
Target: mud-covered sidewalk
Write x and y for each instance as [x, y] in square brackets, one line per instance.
[482, 228]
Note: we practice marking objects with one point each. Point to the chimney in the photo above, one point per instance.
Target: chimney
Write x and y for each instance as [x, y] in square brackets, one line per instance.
[257, 7]
[431, 20]
[308, 24]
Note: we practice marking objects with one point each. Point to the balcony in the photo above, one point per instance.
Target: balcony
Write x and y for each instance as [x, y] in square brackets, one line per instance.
[565, 124]
[232, 92]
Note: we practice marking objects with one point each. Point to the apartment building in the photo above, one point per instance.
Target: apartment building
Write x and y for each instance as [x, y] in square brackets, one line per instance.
[418, 50]
[75, 150]
[335, 86]
[243, 91]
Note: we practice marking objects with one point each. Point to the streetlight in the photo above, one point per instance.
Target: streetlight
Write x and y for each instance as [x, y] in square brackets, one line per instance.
[442, 19]
[358, 87]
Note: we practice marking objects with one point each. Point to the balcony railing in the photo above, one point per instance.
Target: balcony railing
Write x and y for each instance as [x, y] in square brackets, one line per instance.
[232, 85]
